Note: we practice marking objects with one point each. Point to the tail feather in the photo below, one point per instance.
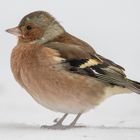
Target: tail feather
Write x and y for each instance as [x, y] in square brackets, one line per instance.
[133, 85]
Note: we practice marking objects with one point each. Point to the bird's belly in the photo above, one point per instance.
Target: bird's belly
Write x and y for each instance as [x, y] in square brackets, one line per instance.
[67, 104]
[67, 94]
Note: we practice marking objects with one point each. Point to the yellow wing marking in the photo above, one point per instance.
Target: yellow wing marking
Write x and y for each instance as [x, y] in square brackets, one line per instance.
[89, 63]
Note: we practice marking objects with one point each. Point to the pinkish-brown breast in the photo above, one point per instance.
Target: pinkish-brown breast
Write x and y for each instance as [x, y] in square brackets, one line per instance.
[58, 90]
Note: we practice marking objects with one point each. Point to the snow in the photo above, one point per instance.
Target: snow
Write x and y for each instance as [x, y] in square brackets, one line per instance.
[21, 118]
[113, 26]
[23, 133]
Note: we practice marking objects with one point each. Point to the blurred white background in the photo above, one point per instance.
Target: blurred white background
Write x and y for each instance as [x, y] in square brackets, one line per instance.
[112, 26]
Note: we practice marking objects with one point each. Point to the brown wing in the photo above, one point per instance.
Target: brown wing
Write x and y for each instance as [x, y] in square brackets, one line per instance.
[70, 51]
[89, 63]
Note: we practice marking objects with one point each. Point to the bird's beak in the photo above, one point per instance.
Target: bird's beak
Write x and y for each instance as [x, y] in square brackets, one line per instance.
[15, 31]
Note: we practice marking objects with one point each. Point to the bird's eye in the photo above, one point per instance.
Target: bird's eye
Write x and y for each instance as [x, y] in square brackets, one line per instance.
[28, 27]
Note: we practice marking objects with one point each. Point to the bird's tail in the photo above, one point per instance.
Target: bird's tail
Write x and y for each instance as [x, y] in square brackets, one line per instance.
[133, 86]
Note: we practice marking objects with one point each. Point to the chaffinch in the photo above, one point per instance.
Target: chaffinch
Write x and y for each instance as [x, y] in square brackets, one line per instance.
[62, 72]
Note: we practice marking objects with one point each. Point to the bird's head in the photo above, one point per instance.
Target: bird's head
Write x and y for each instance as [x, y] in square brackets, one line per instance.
[37, 26]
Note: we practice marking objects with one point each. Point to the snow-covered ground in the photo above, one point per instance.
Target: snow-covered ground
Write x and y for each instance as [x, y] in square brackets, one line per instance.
[116, 118]
[114, 27]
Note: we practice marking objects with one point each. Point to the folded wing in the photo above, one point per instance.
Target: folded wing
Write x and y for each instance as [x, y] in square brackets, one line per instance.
[89, 63]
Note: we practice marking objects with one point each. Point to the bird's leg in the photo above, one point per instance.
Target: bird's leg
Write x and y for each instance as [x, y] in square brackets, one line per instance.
[74, 121]
[62, 119]
[58, 125]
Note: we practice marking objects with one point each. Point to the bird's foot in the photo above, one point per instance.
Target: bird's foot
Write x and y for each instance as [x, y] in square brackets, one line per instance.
[57, 127]
[56, 120]
[60, 126]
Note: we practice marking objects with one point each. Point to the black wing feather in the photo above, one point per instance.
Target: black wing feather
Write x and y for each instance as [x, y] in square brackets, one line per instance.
[105, 70]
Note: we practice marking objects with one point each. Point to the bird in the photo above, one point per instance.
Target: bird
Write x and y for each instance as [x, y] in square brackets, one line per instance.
[62, 72]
